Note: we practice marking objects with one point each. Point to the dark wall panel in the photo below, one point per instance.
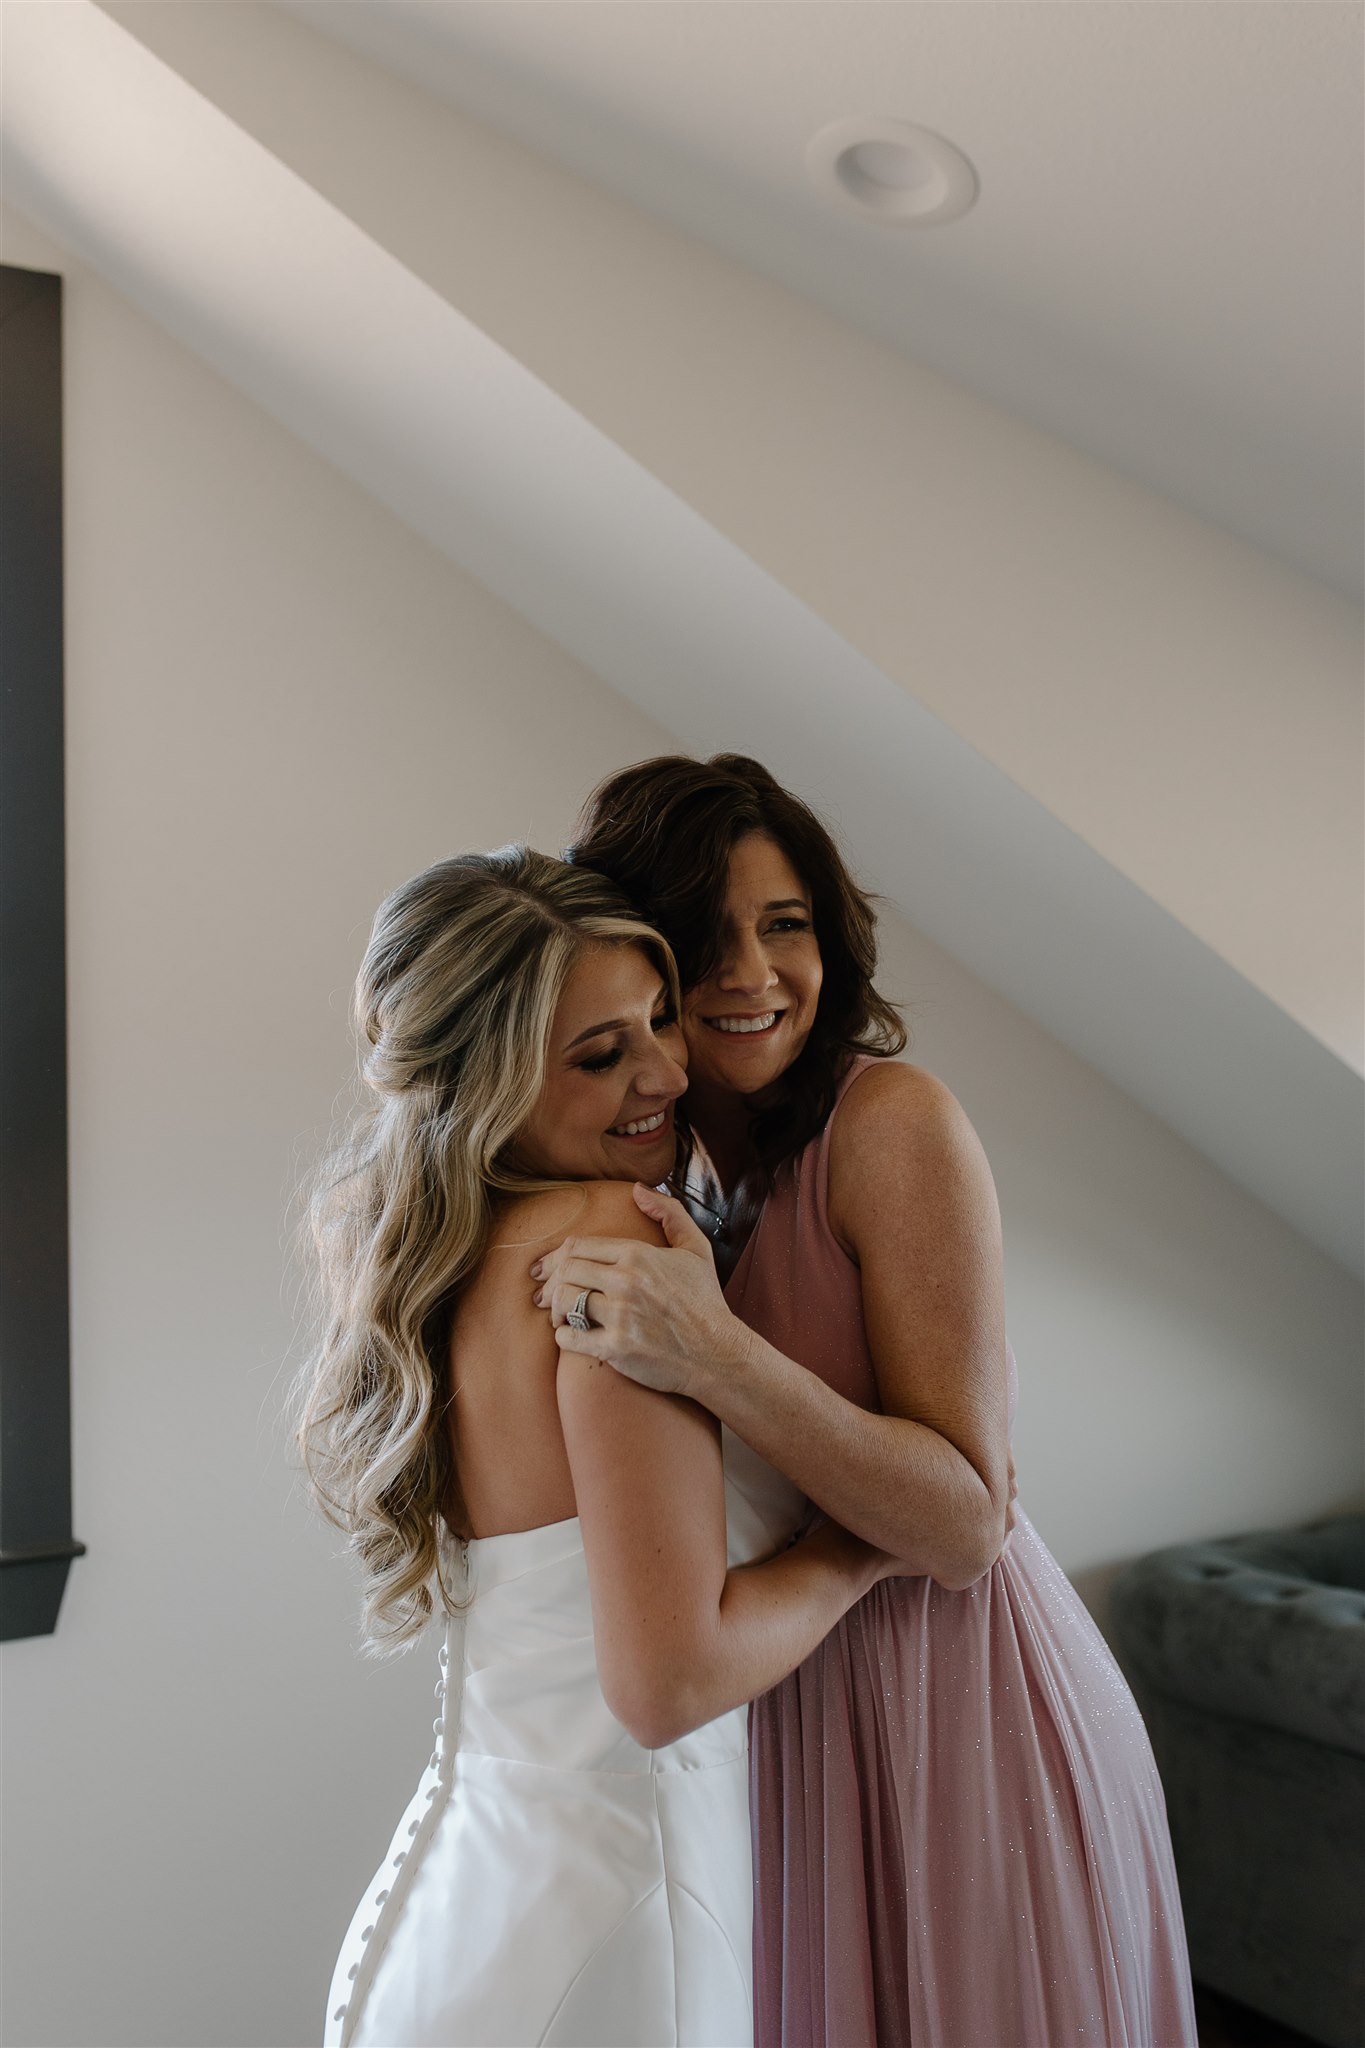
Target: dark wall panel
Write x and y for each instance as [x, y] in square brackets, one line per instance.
[36, 1544]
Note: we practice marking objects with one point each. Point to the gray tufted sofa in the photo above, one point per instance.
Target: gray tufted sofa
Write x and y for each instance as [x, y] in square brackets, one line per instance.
[1248, 1657]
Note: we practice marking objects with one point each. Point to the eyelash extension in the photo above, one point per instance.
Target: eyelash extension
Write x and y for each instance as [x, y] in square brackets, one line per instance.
[605, 1061]
[601, 1064]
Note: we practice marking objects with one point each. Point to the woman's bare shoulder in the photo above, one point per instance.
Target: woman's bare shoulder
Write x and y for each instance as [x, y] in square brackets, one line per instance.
[538, 1220]
[592, 1208]
[898, 1127]
[610, 1211]
[892, 1091]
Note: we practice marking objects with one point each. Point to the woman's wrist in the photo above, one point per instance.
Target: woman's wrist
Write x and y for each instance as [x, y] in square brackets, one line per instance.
[724, 1360]
[873, 1565]
[859, 1562]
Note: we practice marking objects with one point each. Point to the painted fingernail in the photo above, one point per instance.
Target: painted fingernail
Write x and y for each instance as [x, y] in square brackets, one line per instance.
[538, 1270]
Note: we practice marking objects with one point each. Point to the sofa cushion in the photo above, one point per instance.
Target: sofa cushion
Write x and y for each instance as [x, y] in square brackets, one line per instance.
[1269, 1628]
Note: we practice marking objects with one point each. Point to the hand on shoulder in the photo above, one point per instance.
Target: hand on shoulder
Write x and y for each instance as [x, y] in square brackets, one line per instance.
[647, 1283]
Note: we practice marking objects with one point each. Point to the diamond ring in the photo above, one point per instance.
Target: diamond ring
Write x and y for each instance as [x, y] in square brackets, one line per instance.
[577, 1318]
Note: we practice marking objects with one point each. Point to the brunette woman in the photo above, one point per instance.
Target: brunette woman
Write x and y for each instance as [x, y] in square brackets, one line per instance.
[959, 1834]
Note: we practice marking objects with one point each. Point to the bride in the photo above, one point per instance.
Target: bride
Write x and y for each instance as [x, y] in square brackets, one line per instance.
[574, 1865]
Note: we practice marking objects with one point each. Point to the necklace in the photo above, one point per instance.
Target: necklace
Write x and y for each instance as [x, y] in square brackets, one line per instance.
[716, 1222]
[716, 1216]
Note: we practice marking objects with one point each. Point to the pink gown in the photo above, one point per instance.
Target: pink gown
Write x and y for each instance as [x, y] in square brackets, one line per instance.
[959, 1834]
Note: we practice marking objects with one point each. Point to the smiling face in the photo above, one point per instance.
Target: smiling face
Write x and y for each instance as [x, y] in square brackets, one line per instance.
[616, 1064]
[750, 1018]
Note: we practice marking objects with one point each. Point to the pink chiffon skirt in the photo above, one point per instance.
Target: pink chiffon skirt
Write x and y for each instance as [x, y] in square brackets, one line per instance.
[960, 1839]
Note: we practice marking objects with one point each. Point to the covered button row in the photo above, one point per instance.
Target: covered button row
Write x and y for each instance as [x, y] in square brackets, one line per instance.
[365, 1934]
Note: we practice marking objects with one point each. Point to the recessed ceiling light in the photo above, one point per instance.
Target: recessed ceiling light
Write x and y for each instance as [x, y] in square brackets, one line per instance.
[891, 172]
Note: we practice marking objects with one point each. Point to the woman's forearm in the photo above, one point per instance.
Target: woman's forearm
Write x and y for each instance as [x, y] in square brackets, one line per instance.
[767, 1620]
[898, 1484]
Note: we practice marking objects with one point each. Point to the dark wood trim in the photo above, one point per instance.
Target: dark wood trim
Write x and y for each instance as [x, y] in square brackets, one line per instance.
[36, 1544]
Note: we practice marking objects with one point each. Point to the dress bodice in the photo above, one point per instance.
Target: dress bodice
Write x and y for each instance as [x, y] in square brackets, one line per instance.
[524, 1647]
[552, 1880]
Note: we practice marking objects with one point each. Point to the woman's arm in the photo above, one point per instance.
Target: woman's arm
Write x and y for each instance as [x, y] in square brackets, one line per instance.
[680, 1638]
[911, 1197]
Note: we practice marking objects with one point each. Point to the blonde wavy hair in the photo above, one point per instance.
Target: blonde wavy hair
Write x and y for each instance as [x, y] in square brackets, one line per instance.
[453, 1007]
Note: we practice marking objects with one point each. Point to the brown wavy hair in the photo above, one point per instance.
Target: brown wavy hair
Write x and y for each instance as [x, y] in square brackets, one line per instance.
[664, 830]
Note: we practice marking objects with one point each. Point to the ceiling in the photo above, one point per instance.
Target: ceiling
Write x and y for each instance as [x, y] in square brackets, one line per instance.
[1165, 263]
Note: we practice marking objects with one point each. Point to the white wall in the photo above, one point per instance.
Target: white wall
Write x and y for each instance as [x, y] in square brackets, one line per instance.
[281, 702]
[1190, 707]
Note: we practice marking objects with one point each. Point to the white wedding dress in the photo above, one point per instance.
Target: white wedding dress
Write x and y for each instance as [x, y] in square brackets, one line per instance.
[552, 1882]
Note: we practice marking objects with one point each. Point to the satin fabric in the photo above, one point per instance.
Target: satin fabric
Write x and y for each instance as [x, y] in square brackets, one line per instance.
[960, 1839]
[551, 1881]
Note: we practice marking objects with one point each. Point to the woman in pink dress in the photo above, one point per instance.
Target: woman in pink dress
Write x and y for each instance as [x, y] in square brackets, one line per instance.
[959, 1834]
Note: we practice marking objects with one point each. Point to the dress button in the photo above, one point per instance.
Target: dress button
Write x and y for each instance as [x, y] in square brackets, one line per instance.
[353, 1972]
[399, 1858]
[413, 1829]
[368, 1932]
[380, 1897]
[340, 2013]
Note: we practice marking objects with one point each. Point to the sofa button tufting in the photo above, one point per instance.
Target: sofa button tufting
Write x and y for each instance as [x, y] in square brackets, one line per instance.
[1272, 1725]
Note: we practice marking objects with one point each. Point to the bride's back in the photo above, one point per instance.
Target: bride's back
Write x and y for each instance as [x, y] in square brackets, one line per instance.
[508, 1444]
[507, 1437]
